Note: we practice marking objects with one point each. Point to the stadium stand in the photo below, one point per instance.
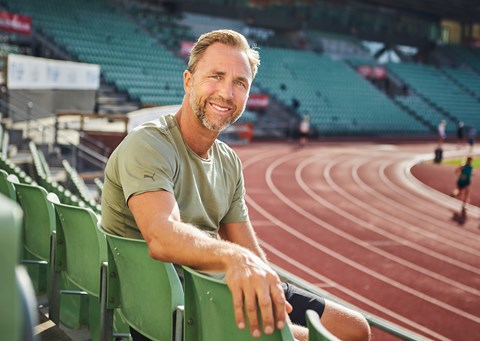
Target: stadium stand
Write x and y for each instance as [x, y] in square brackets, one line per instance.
[440, 91]
[468, 80]
[424, 110]
[335, 97]
[463, 56]
[96, 32]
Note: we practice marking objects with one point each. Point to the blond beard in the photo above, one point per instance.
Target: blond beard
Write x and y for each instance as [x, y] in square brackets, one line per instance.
[200, 112]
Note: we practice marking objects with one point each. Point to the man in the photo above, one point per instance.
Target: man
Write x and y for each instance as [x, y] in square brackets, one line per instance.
[174, 184]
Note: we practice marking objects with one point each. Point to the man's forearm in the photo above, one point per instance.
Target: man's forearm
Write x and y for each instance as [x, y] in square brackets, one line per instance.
[184, 244]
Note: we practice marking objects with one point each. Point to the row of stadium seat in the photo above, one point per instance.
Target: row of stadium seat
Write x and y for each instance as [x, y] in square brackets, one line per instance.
[125, 287]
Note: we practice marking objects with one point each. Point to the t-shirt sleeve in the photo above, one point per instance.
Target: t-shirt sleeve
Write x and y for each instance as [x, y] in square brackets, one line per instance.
[238, 211]
[146, 163]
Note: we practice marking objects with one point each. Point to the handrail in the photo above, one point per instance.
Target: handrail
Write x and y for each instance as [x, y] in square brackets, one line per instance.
[373, 320]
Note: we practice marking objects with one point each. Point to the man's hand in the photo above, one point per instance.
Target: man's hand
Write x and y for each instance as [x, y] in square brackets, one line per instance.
[254, 285]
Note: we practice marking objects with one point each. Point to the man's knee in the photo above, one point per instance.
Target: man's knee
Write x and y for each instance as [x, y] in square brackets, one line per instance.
[345, 323]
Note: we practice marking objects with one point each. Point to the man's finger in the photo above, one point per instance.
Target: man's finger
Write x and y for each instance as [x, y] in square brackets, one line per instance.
[266, 311]
[251, 309]
[280, 305]
[237, 297]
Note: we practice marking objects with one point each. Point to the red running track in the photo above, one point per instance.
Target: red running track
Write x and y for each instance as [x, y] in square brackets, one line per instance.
[351, 219]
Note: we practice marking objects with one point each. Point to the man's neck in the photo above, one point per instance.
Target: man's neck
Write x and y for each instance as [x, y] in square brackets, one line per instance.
[198, 138]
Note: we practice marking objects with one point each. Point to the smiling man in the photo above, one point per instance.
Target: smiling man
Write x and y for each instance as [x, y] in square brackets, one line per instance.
[172, 183]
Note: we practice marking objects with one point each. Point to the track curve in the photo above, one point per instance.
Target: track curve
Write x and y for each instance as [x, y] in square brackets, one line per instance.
[352, 219]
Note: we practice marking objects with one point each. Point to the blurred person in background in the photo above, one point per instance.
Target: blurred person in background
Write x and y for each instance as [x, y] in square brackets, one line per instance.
[304, 129]
[464, 178]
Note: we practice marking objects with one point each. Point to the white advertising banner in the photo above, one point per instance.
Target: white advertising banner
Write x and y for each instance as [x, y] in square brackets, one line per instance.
[26, 72]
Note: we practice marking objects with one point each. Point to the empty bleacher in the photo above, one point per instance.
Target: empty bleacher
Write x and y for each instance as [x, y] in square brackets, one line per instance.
[439, 90]
[96, 32]
[335, 97]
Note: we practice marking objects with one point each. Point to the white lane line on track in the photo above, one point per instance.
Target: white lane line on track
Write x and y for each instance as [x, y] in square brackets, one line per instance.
[347, 215]
[371, 227]
[411, 212]
[340, 257]
[351, 293]
[388, 312]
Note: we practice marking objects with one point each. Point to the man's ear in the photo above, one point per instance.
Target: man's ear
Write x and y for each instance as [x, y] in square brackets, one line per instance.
[187, 80]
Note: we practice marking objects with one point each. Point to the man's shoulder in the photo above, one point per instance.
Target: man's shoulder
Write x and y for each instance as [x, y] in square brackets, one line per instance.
[159, 128]
[162, 124]
[150, 136]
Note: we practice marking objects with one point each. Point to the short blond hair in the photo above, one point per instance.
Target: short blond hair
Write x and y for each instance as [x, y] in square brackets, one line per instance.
[227, 37]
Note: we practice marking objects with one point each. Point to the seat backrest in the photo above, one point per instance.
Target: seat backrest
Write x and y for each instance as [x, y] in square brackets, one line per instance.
[146, 291]
[209, 314]
[316, 330]
[80, 248]
[28, 304]
[39, 219]
[6, 187]
[17, 309]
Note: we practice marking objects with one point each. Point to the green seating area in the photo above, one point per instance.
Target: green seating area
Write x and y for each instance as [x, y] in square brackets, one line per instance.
[159, 23]
[96, 32]
[426, 111]
[463, 55]
[335, 97]
[41, 171]
[439, 90]
[80, 188]
[466, 78]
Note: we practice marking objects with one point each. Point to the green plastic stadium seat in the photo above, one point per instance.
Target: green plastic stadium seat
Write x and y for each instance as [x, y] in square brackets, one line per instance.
[38, 226]
[39, 219]
[79, 251]
[18, 303]
[147, 292]
[209, 314]
[6, 187]
[316, 330]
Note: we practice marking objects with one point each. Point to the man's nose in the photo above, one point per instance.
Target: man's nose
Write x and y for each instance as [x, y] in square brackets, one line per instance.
[226, 90]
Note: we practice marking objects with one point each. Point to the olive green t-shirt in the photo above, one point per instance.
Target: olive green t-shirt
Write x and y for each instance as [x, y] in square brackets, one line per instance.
[155, 157]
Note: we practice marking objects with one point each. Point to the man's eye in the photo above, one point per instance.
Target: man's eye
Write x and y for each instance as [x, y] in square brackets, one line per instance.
[242, 84]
